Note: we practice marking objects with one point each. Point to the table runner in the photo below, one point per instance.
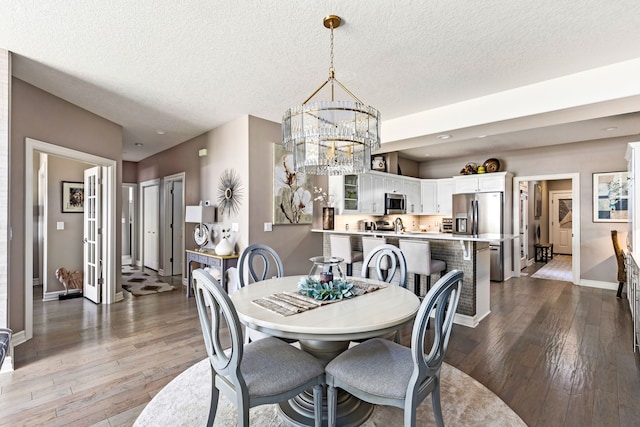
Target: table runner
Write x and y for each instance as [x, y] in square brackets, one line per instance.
[288, 303]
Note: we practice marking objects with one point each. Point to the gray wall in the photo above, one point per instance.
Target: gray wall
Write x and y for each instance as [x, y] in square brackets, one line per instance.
[71, 258]
[45, 117]
[597, 260]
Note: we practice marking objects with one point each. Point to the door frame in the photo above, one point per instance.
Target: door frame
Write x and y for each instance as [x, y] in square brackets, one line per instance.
[109, 295]
[166, 269]
[575, 227]
[523, 191]
[134, 226]
[550, 197]
[143, 185]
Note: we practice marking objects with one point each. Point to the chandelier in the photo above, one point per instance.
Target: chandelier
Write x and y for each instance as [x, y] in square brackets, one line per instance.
[331, 137]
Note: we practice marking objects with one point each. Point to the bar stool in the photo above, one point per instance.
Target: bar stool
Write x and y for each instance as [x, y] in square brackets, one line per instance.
[369, 243]
[341, 248]
[419, 261]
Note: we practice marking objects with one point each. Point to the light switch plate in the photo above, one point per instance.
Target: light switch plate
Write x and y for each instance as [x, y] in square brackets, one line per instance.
[268, 226]
[60, 225]
[235, 227]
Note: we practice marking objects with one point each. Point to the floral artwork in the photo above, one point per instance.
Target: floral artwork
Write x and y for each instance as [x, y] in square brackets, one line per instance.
[293, 201]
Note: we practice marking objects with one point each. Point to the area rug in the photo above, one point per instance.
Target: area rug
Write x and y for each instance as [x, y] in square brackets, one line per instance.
[559, 268]
[140, 283]
[185, 402]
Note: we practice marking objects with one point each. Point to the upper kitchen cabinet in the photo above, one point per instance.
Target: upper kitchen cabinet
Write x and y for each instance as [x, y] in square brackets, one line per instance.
[393, 184]
[445, 193]
[346, 191]
[480, 182]
[371, 194]
[436, 196]
[429, 191]
[412, 188]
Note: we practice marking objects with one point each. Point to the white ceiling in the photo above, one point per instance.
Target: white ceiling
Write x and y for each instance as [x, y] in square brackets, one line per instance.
[185, 67]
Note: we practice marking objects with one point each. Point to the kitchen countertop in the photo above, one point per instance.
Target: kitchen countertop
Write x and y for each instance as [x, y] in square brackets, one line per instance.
[426, 235]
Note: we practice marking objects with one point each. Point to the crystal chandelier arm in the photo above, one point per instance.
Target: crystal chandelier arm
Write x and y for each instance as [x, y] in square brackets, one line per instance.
[347, 90]
[318, 90]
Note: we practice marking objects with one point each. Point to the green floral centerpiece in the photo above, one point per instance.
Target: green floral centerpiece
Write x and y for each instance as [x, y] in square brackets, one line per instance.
[334, 290]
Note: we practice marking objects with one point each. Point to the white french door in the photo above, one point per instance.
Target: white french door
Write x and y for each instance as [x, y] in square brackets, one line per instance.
[92, 235]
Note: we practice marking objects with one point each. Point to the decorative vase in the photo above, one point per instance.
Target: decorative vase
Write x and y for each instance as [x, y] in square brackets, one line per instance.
[224, 247]
[327, 218]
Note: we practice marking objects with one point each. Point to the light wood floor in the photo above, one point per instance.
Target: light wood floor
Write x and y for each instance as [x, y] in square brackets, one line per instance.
[557, 354]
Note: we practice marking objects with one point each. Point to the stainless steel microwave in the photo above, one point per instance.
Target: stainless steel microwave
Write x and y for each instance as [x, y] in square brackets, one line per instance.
[395, 204]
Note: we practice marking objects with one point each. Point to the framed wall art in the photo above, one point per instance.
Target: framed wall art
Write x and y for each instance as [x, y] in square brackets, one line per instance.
[537, 201]
[610, 197]
[292, 191]
[72, 197]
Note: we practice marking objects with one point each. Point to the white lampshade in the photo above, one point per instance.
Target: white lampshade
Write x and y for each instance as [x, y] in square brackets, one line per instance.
[200, 214]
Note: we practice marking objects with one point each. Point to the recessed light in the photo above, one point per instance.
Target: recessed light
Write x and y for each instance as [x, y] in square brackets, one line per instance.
[609, 129]
[482, 136]
[444, 136]
[161, 132]
[138, 144]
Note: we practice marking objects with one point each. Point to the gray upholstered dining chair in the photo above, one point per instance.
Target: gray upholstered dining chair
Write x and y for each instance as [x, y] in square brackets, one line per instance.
[387, 259]
[267, 255]
[386, 373]
[262, 372]
[5, 343]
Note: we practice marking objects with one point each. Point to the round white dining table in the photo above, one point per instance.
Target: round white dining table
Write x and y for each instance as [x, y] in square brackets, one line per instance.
[327, 331]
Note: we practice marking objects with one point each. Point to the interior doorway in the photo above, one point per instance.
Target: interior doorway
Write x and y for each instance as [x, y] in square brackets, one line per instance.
[173, 240]
[129, 223]
[560, 221]
[108, 222]
[574, 180]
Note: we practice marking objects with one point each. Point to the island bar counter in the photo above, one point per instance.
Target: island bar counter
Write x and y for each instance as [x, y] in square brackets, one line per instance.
[466, 253]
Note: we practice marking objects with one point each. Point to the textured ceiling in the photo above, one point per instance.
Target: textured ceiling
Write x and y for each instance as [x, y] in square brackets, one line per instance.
[186, 67]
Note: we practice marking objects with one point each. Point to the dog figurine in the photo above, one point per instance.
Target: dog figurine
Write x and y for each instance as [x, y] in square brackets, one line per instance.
[69, 279]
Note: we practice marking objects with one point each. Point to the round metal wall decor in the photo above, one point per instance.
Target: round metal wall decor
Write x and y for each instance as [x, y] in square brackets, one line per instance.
[229, 192]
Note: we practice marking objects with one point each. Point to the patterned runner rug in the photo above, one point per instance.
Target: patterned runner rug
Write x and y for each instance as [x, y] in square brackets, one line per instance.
[185, 402]
[559, 268]
[140, 283]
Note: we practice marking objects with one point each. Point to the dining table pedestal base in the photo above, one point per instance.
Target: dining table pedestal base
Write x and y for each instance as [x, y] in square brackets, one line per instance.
[299, 411]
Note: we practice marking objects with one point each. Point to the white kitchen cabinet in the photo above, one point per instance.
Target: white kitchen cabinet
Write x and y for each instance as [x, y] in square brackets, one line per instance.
[445, 193]
[371, 194]
[429, 192]
[346, 192]
[412, 189]
[480, 183]
[393, 184]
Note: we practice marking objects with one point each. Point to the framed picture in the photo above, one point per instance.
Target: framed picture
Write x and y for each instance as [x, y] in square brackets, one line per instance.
[72, 197]
[537, 201]
[292, 191]
[610, 197]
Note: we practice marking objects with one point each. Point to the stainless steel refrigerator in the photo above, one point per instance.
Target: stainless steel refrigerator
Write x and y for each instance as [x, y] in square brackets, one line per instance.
[482, 213]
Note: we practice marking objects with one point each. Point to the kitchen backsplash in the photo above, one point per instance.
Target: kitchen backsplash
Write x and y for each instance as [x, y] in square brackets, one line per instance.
[411, 222]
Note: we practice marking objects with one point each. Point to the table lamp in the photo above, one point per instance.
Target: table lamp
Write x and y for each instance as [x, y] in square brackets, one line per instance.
[202, 215]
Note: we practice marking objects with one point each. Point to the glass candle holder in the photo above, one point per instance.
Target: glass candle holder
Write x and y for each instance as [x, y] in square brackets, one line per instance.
[326, 269]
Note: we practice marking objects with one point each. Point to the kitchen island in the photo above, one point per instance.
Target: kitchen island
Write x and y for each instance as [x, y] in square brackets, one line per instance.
[470, 254]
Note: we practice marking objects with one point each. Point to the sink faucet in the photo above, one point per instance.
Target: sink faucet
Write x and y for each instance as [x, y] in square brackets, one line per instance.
[397, 225]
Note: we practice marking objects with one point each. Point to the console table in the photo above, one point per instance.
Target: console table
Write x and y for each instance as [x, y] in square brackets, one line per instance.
[544, 251]
[210, 259]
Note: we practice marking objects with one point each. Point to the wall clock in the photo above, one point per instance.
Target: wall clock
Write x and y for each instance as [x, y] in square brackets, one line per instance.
[229, 192]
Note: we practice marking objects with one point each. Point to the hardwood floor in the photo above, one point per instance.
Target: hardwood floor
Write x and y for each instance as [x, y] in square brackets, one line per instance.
[557, 354]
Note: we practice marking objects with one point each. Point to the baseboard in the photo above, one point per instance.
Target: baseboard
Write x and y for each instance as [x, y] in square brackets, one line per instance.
[468, 321]
[530, 262]
[37, 281]
[118, 297]
[161, 272]
[612, 286]
[18, 338]
[54, 296]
